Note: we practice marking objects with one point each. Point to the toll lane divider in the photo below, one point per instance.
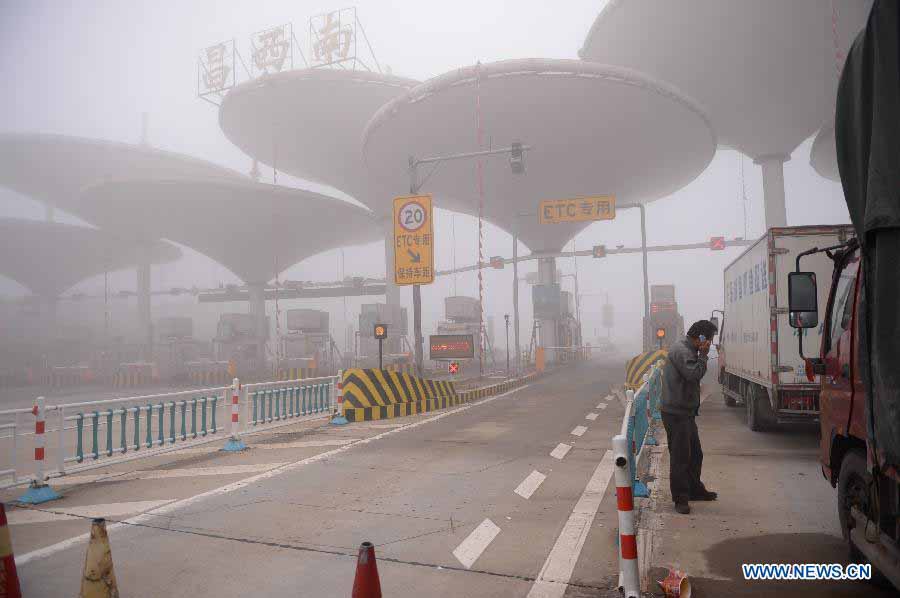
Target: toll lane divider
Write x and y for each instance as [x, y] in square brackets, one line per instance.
[88, 435]
[296, 373]
[372, 394]
[639, 365]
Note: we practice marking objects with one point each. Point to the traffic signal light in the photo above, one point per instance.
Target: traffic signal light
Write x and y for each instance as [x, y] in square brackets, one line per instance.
[517, 158]
[380, 331]
[599, 250]
[717, 243]
[660, 333]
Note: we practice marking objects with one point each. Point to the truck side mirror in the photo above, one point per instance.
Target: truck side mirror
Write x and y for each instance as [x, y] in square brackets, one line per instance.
[803, 300]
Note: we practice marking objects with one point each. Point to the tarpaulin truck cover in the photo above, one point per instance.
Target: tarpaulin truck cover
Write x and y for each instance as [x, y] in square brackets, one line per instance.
[867, 135]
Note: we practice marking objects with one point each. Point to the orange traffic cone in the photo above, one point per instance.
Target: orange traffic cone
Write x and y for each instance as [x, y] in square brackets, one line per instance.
[9, 577]
[366, 584]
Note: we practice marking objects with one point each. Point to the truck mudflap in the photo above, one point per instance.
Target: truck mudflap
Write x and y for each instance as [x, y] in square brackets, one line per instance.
[879, 550]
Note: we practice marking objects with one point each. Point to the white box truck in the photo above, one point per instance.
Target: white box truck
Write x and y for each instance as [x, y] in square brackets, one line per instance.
[759, 361]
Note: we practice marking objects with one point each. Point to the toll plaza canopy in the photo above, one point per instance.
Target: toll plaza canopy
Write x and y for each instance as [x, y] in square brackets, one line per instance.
[308, 123]
[49, 257]
[53, 168]
[256, 230]
[765, 71]
[595, 130]
[823, 156]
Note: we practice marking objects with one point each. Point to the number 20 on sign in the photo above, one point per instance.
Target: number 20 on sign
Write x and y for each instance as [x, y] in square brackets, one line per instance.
[413, 240]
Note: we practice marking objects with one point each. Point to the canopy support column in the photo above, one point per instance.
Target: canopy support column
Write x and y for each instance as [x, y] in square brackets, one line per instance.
[257, 296]
[546, 276]
[145, 323]
[773, 188]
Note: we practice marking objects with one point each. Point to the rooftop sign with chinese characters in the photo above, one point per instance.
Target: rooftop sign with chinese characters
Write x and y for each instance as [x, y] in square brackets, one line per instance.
[579, 209]
[413, 240]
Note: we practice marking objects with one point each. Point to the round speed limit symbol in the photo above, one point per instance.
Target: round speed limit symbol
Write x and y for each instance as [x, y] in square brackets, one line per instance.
[412, 216]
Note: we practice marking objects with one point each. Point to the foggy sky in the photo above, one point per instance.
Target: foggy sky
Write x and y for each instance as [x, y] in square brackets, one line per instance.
[91, 68]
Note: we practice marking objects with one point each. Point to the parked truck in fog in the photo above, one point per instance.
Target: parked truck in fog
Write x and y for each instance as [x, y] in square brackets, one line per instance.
[759, 364]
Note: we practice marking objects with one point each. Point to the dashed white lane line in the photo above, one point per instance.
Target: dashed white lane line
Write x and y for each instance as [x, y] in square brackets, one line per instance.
[154, 514]
[560, 451]
[579, 431]
[554, 577]
[602, 406]
[476, 542]
[530, 484]
[159, 474]
[112, 510]
[591, 416]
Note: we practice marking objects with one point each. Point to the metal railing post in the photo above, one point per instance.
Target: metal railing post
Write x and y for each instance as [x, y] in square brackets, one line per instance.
[235, 444]
[39, 492]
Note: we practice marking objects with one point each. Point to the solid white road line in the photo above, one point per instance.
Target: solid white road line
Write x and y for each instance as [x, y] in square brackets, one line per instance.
[560, 451]
[151, 516]
[579, 431]
[602, 406]
[119, 509]
[160, 474]
[530, 484]
[557, 570]
[476, 542]
[591, 416]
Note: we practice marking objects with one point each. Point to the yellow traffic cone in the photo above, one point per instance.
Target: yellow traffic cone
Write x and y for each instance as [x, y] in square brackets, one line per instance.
[99, 579]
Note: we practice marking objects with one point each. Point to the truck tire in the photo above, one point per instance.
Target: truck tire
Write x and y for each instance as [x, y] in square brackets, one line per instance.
[853, 491]
[729, 400]
[759, 413]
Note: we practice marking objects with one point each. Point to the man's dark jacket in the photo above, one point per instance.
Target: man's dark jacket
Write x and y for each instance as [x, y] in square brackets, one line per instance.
[684, 369]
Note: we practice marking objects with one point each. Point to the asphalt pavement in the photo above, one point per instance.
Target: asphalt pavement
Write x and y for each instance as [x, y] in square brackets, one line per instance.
[508, 496]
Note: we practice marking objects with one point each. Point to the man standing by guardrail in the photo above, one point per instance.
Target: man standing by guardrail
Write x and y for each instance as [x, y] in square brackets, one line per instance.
[680, 405]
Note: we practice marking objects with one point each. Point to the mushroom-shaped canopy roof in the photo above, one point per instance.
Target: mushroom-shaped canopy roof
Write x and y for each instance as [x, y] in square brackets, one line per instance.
[54, 168]
[764, 70]
[595, 129]
[823, 156]
[309, 123]
[256, 230]
[49, 257]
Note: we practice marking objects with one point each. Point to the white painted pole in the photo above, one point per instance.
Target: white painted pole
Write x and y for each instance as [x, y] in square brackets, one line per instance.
[628, 562]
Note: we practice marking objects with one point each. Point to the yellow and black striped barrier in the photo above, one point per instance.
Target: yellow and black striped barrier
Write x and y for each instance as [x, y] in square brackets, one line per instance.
[371, 394]
[639, 365]
[210, 377]
[296, 373]
[135, 374]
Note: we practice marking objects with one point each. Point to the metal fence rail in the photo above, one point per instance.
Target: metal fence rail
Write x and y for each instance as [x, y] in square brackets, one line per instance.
[642, 408]
[92, 434]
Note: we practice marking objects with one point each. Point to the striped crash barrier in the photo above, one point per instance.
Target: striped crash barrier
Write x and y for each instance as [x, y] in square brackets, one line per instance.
[299, 373]
[208, 373]
[639, 365]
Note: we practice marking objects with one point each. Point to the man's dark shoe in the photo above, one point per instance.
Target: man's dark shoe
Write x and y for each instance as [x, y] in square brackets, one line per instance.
[706, 495]
[683, 508]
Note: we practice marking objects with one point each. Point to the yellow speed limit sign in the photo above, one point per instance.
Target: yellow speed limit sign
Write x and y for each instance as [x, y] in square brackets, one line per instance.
[413, 240]
[578, 209]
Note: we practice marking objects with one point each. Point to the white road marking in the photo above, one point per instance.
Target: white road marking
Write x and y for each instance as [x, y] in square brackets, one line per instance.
[602, 405]
[579, 431]
[476, 542]
[554, 577]
[591, 416]
[160, 474]
[560, 451]
[272, 446]
[22, 516]
[530, 484]
[150, 516]
[608, 398]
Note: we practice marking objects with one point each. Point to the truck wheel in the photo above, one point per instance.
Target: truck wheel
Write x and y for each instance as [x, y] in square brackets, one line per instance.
[729, 401]
[853, 485]
[759, 412]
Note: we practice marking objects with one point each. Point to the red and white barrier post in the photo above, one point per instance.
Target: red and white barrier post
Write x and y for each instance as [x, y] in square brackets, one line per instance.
[39, 492]
[338, 418]
[628, 561]
[235, 443]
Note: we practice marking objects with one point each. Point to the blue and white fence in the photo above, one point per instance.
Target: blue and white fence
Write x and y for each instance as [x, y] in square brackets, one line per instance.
[641, 410]
[93, 434]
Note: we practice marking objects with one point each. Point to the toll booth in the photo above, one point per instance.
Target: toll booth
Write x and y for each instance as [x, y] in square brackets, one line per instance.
[306, 350]
[396, 343]
[450, 342]
[175, 347]
[665, 325]
[238, 342]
